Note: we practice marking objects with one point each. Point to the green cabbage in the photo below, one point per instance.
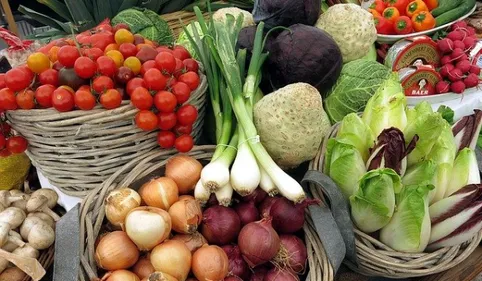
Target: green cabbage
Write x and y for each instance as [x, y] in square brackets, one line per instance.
[183, 40]
[357, 83]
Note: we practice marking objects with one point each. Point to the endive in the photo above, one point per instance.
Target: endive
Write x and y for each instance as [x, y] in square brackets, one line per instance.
[354, 131]
[464, 172]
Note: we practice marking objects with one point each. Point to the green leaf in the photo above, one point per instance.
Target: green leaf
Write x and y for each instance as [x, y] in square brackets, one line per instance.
[89, 5]
[103, 10]
[164, 35]
[447, 113]
[79, 12]
[174, 6]
[126, 4]
[354, 131]
[58, 7]
[153, 5]
[44, 19]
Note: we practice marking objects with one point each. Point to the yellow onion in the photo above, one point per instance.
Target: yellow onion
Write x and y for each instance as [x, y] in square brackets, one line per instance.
[192, 241]
[186, 215]
[161, 193]
[116, 251]
[120, 275]
[143, 267]
[161, 276]
[119, 202]
[172, 257]
[185, 171]
[147, 227]
[210, 263]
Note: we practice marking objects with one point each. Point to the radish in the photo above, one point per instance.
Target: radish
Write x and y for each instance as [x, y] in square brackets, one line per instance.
[463, 57]
[459, 44]
[475, 69]
[456, 35]
[455, 75]
[469, 42]
[458, 25]
[444, 70]
[457, 53]
[445, 45]
[472, 80]
[457, 87]
[442, 87]
[464, 66]
[471, 30]
[445, 60]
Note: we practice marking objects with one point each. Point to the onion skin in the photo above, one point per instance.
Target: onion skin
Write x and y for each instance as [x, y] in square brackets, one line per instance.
[265, 206]
[258, 242]
[258, 273]
[143, 268]
[289, 218]
[221, 225]
[210, 263]
[247, 212]
[116, 251]
[172, 257]
[292, 254]
[192, 241]
[148, 226]
[120, 275]
[213, 201]
[160, 193]
[161, 276]
[257, 196]
[185, 171]
[237, 266]
[280, 275]
[119, 203]
[233, 278]
[186, 215]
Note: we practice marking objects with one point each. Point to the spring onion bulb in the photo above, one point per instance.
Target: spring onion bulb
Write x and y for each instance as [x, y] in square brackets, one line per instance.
[245, 174]
[201, 194]
[224, 195]
[266, 183]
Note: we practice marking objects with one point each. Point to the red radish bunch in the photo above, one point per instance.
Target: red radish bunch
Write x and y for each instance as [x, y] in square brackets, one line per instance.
[456, 70]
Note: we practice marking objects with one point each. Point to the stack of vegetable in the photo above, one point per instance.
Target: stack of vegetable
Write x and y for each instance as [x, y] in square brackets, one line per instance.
[165, 234]
[413, 179]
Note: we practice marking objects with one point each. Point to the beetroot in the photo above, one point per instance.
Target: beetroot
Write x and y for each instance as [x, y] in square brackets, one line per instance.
[457, 87]
[446, 60]
[442, 87]
[456, 35]
[475, 69]
[455, 75]
[444, 70]
[464, 66]
[457, 53]
[459, 44]
[471, 81]
[445, 45]
[469, 42]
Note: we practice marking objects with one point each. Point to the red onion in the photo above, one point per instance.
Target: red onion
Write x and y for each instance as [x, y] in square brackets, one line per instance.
[237, 266]
[259, 273]
[287, 217]
[292, 254]
[233, 278]
[220, 225]
[258, 242]
[257, 196]
[212, 201]
[266, 205]
[280, 275]
[247, 212]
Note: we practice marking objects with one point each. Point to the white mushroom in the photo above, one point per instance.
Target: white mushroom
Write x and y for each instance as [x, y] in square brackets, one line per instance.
[13, 216]
[50, 194]
[39, 204]
[7, 235]
[6, 198]
[21, 204]
[10, 246]
[46, 218]
[41, 236]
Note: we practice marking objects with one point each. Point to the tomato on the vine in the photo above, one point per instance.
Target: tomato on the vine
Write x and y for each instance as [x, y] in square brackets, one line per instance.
[7, 99]
[63, 100]
[166, 62]
[111, 99]
[2, 81]
[106, 66]
[49, 76]
[4, 153]
[102, 84]
[3, 141]
[102, 39]
[186, 114]
[179, 68]
[133, 84]
[155, 80]
[84, 99]
[128, 50]
[147, 65]
[57, 66]
[25, 99]
[165, 101]
[171, 81]
[17, 79]
[164, 49]
[184, 143]
[85, 67]
[183, 129]
[38, 62]
[191, 79]
[191, 65]
[28, 72]
[181, 53]
[166, 139]
[146, 120]
[167, 121]
[182, 92]
[43, 95]
[141, 98]
[92, 53]
[67, 55]
[16, 144]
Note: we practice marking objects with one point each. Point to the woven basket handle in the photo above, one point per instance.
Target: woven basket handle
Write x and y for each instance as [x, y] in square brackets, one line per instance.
[333, 224]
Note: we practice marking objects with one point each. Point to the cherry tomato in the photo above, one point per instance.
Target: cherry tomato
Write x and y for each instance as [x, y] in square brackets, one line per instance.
[181, 53]
[85, 67]
[43, 95]
[134, 83]
[25, 99]
[49, 76]
[4, 153]
[164, 49]
[146, 120]
[106, 66]
[141, 98]
[171, 81]
[166, 139]
[2, 81]
[191, 79]
[28, 72]
[67, 55]
[166, 62]
[165, 101]
[186, 114]
[102, 84]
[84, 99]
[102, 39]
[63, 100]
[57, 66]
[167, 121]
[155, 80]
[38, 62]
[7, 99]
[182, 92]
[128, 50]
[179, 70]
[111, 99]
[121, 26]
[183, 129]
[16, 144]
[3, 141]
[184, 143]
[104, 27]
[92, 53]
[16, 79]
[191, 65]
[147, 65]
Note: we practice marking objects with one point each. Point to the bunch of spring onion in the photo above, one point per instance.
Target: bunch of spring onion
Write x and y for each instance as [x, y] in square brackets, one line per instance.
[231, 92]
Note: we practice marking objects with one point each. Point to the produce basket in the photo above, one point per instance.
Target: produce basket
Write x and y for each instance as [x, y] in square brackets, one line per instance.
[78, 150]
[140, 170]
[371, 257]
[177, 19]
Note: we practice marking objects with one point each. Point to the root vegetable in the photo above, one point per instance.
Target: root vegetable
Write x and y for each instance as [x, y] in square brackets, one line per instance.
[12, 274]
[143, 268]
[220, 225]
[257, 196]
[292, 254]
[192, 241]
[258, 273]
[455, 75]
[469, 42]
[210, 263]
[39, 204]
[457, 87]
[445, 60]
[459, 44]
[280, 275]
[186, 215]
[457, 53]
[265, 207]
[161, 276]
[445, 45]
[161, 193]
[119, 203]
[464, 66]
[289, 217]
[472, 80]
[185, 171]
[258, 242]
[475, 69]
[444, 70]
[247, 212]
[172, 257]
[116, 251]
[120, 275]
[13, 216]
[456, 35]
[50, 194]
[237, 265]
[148, 227]
[442, 87]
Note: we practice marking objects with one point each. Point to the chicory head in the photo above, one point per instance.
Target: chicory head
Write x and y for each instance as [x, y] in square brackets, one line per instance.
[354, 131]
[420, 173]
[465, 171]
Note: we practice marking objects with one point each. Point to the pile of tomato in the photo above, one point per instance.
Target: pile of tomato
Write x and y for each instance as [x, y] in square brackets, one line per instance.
[104, 66]
[403, 16]
[9, 143]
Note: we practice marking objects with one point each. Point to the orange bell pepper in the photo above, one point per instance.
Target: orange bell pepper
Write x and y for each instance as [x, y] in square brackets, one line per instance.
[391, 14]
[375, 13]
[431, 4]
[423, 21]
[415, 7]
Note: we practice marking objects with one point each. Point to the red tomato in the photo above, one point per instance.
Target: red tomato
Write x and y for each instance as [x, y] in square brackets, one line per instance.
[63, 100]
[43, 95]
[2, 81]
[186, 114]
[164, 49]
[57, 66]
[111, 99]
[167, 121]
[181, 53]
[146, 120]
[141, 98]
[171, 81]
[165, 101]
[102, 40]
[184, 143]
[83, 39]
[128, 50]
[191, 65]
[4, 153]
[16, 79]
[102, 84]
[166, 139]
[67, 55]
[155, 80]
[25, 99]
[147, 65]
[166, 62]
[191, 79]
[106, 66]
[27, 71]
[85, 67]
[104, 27]
[16, 144]
[7, 99]
[182, 92]
[133, 84]
[93, 53]
[5, 128]
[183, 129]
[84, 99]
[179, 68]
[3, 141]
[49, 76]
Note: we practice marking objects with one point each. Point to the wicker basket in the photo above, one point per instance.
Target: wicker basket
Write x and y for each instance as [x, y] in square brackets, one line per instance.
[177, 19]
[141, 169]
[377, 259]
[79, 150]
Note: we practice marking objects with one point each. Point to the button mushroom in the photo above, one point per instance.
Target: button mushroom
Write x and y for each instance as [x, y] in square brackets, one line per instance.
[6, 235]
[6, 198]
[22, 204]
[10, 246]
[24, 251]
[13, 216]
[28, 223]
[51, 195]
[46, 218]
[12, 274]
[38, 203]
[41, 236]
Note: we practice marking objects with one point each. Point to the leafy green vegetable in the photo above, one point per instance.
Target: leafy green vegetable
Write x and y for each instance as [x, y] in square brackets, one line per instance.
[417, 111]
[420, 173]
[357, 83]
[183, 40]
[353, 131]
[447, 113]
[465, 171]
[373, 203]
